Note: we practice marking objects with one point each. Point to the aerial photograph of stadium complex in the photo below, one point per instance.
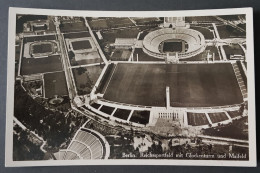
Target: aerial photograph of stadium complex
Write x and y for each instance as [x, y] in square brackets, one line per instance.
[130, 88]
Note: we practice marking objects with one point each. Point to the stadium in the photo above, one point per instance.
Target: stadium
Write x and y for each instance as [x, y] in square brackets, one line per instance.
[198, 94]
[187, 42]
[43, 48]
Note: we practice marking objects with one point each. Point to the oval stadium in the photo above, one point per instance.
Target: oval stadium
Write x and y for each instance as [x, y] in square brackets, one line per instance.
[186, 42]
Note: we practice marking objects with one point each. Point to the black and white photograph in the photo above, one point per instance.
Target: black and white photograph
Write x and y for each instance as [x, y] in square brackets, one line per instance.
[101, 88]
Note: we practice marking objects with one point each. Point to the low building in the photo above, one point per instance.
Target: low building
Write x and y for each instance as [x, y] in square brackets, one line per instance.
[124, 43]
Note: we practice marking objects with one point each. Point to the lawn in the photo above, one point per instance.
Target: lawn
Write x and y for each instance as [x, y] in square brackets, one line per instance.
[111, 22]
[40, 65]
[142, 21]
[73, 27]
[76, 35]
[226, 31]
[191, 85]
[205, 31]
[39, 38]
[85, 78]
[122, 113]
[234, 49]
[42, 48]
[143, 56]
[120, 55]
[197, 119]
[234, 114]
[141, 117]
[110, 36]
[172, 46]
[55, 84]
[217, 117]
[82, 44]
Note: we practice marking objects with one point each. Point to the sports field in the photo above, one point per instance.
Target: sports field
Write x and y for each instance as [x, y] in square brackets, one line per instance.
[40, 65]
[55, 84]
[172, 46]
[191, 85]
[83, 44]
[42, 48]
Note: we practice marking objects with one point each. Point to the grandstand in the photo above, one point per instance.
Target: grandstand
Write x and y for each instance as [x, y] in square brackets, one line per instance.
[86, 144]
[194, 39]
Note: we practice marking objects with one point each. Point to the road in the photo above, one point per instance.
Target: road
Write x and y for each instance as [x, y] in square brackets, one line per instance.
[96, 42]
[65, 62]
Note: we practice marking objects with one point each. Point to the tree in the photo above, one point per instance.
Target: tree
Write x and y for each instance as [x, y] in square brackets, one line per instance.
[241, 109]
[71, 54]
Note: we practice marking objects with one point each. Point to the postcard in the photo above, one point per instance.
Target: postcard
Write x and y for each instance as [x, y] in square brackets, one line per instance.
[130, 88]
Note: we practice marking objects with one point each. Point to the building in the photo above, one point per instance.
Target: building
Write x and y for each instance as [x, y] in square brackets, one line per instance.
[124, 43]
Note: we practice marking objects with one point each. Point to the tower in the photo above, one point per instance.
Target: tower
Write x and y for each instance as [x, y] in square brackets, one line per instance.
[174, 22]
[167, 97]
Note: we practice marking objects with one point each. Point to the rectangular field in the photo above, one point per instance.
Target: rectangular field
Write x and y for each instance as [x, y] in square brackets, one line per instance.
[172, 46]
[83, 44]
[76, 35]
[39, 38]
[197, 119]
[191, 85]
[42, 48]
[55, 84]
[217, 117]
[85, 78]
[40, 65]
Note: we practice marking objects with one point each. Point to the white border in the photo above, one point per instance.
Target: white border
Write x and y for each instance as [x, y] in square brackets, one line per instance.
[11, 71]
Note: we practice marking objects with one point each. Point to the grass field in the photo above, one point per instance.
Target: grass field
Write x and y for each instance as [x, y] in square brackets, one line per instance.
[234, 114]
[42, 48]
[111, 35]
[40, 65]
[76, 35]
[205, 31]
[226, 31]
[191, 85]
[107, 109]
[120, 55]
[85, 78]
[122, 113]
[171, 46]
[112, 22]
[197, 119]
[234, 49]
[143, 56]
[209, 19]
[83, 44]
[73, 27]
[55, 84]
[39, 38]
[217, 117]
[142, 21]
[238, 129]
[141, 117]
[203, 56]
